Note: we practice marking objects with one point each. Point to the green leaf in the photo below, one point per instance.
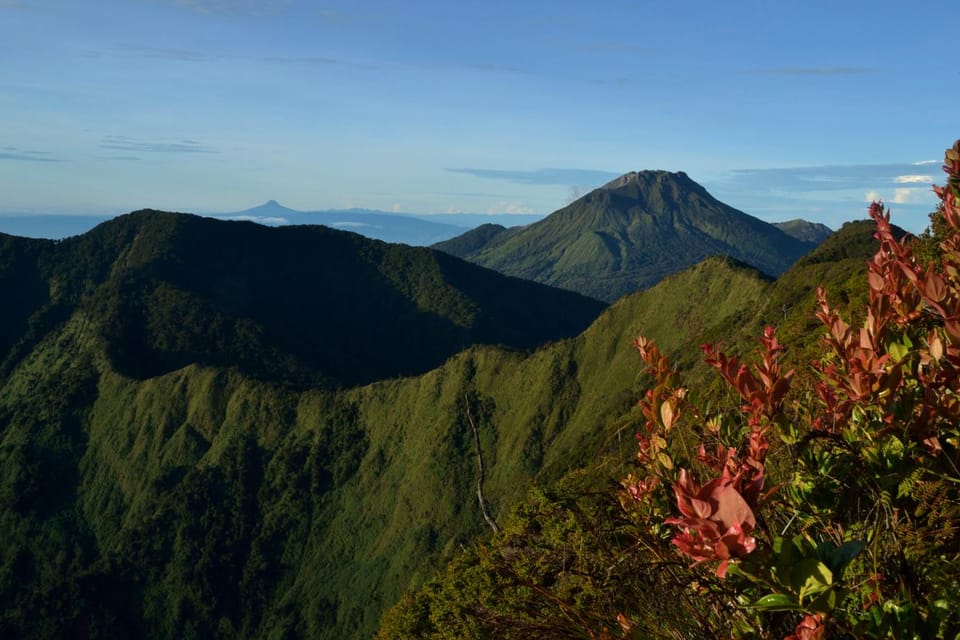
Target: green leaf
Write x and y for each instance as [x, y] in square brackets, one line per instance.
[844, 554]
[898, 351]
[825, 602]
[776, 602]
[810, 577]
[893, 447]
[665, 460]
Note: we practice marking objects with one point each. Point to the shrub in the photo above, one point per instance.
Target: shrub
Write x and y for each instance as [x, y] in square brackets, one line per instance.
[858, 534]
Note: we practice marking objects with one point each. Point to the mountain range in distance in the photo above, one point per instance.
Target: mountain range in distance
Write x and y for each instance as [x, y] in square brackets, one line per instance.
[631, 233]
[404, 228]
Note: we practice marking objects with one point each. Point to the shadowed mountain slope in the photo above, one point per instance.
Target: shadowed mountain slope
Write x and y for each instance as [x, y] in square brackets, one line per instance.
[297, 304]
[628, 235]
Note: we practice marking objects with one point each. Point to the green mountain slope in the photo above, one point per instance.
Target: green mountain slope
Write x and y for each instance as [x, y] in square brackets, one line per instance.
[472, 241]
[568, 537]
[294, 304]
[628, 235]
[208, 502]
[204, 503]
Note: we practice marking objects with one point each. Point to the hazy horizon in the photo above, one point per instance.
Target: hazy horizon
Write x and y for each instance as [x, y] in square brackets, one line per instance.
[781, 110]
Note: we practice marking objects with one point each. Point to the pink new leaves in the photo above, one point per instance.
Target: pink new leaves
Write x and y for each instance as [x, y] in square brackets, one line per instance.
[911, 334]
[716, 521]
[718, 517]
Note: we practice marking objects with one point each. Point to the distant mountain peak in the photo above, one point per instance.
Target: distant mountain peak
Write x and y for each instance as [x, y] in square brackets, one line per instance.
[630, 234]
[268, 208]
[647, 177]
[805, 230]
[273, 204]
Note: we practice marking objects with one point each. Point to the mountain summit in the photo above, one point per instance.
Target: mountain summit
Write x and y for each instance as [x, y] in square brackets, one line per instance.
[629, 234]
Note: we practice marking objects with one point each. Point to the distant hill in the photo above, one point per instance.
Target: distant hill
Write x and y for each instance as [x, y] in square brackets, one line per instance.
[406, 228]
[290, 303]
[380, 225]
[483, 237]
[807, 231]
[628, 235]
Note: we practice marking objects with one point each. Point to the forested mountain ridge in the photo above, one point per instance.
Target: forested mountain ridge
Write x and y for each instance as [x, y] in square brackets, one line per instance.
[299, 304]
[628, 235]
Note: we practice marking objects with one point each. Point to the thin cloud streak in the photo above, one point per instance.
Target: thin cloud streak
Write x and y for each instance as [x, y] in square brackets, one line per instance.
[187, 55]
[823, 178]
[817, 71]
[126, 143]
[484, 66]
[304, 60]
[267, 220]
[26, 155]
[183, 55]
[229, 8]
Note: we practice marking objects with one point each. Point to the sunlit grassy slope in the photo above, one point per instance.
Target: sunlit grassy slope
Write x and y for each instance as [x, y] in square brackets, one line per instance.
[213, 501]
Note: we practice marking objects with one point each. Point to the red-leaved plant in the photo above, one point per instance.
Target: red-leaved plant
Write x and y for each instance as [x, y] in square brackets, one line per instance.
[867, 511]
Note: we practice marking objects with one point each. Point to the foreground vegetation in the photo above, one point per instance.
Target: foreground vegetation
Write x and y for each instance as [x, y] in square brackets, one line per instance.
[816, 501]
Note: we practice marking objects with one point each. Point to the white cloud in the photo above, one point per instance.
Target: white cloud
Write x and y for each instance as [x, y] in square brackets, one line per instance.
[913, 178]
[353, 225]
[921, 162]
[906, 195]
[272, 221]
[510, 207]
[901, 195]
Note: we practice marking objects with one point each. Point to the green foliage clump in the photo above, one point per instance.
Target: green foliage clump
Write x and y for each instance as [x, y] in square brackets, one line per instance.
[567, 561]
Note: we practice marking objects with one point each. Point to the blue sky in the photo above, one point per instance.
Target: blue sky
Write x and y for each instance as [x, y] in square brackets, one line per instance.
[780, 108]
